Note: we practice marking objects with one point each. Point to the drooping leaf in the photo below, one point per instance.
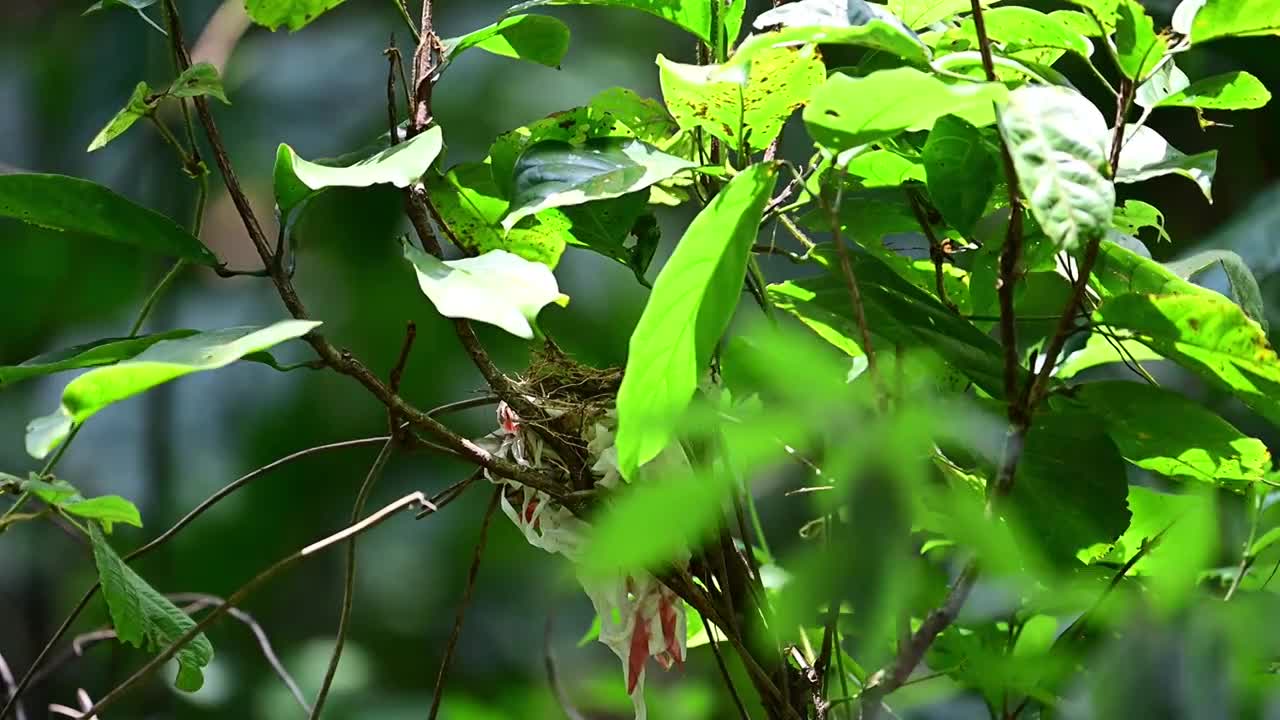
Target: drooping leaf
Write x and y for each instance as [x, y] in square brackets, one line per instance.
[835, 22]
[536, 38]
[144, 618]
[1235, 18]
[922, 13]
[840, 117]
[1135, 215]
[271, 14]
[199, 79]
[1145, 154]
[99, 352]
[1164, 432]
[1229, 91]
[692, 301]
[1058, 141]
[498, 288]
[1165, 81]
[554, 174]
[692, 15]
[70, 204]
[1244, 286]
[138, 107]
[1139, 49]
[961, 171]
[1207, 334]
[161, 362]
[400, 165]
[106, 509]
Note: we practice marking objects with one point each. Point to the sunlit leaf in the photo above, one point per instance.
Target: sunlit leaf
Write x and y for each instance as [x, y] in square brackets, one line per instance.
[922, 13]
[1244, 286]
[498, 288]
[1138, 48]
[693, 299]
[271, 14]
[73, 205]
[961, 171]
[884, 168]
[1020, 29]
[692, 15]
[645, 117]
[144, 618]
[1235, 18]
[99, 352]
[1135, 215]
[1145, 155]
[835, 22]
[161, 362]
[1101, 350]
[536, 38]
[1165, 81]
[138, 107]
[574, 126]
[1230, 91]
[471, 206]
[1058, 141]
[106, 509]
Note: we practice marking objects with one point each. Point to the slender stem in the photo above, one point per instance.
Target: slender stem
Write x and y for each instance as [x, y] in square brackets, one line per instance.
[10, 688]
[1246, 553]
[850, 279]
[724, 669]
[408, 19]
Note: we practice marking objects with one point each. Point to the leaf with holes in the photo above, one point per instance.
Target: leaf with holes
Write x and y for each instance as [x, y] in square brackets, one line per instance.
[1135, 215]
[536, 38]
[555, 174]
[471, 206]
[961, 171]
[1145, 155]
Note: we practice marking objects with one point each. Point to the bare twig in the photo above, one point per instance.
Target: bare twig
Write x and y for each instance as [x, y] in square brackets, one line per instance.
[724, 669]
[442, 675]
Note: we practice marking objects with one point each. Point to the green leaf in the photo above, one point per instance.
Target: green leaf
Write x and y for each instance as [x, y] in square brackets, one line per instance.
[98, 352]
[555, 174]
[574, 126]
[1230, 91]
[1135, 215]
[1235, 18]
[884, 168]
[164, 361]
[693, 299]
[1154, 513]
[1164, 432]
[400, 165]
[1104, 11]
[1138, 48]
[1101, 350]
[742, 106]
[146, 619]
[536, 38]
[1145, 154]
[922, 13]
[1244, 286]
[1207, 334]
[1020, 29]
[1058, 141]
[1119, 271]
[961, 171]
[271, 14]
[106, 509]
[105, 4]
[472, 207]
[138, 107]
[645, 117]
[70, 204]
[835, 22]
[692, 15]
[199, 79]
[498, 288]
[840, 117]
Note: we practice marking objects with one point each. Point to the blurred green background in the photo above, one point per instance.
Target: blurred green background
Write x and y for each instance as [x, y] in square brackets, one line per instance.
[323, 92]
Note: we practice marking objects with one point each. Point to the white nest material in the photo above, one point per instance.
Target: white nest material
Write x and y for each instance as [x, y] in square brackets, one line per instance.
[639, 616]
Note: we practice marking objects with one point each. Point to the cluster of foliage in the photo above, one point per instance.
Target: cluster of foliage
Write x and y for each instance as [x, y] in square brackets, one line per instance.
[940, 398]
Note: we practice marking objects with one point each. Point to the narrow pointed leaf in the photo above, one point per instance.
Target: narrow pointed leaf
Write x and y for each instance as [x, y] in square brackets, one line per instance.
[692, 15]
[1230, 91]
[1145, 155]
[137, 108]
[99, 352]
[535, 38]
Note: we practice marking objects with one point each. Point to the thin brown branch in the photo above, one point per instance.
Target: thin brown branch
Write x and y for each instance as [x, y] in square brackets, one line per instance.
[472, 573]
[850, 279]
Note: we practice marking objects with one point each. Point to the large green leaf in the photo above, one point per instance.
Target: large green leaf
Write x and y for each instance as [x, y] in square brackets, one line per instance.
[885, 168]
[99, 352]
[693, 299]
[1235, 18]
[271, 14]
[1100, 349]
[164, 361]
[835, 22]
[536, 38]
[1164, 432]
[1058, 141]
[1119, 271]
[1145, 155]
[645, 117]
[400, 165]
[961, 171]
[692, 15]
[70, 204]
[1209, 335]
[1244, 286]
[923, 13]
[1230, 91]
[472, 207]
[839, 116]
[1139, 49]
[742, 106]
[1021, 30]
[574, 126]
[554, 174]
[144, 618]
[498, 288]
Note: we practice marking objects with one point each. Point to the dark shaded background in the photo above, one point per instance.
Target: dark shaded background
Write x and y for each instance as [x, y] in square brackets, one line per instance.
[322, 91]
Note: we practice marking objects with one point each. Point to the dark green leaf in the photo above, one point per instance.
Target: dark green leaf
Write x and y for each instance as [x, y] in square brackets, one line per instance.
[199, 79]
[138, 107]
[1235, 18]
[271, 14]
[1230, 91]
[1138, 48]
[536, 38]
[99, 352]
[692, 15]
[961, 171]
[1145, 154]
[574, 126]
[70, 204]
[693, 299]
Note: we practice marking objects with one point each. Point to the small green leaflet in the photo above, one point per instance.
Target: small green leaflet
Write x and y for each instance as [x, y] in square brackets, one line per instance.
[743, 106]
[106, 509]
[1138, 48]
[1230, 91]
[164, 361]
[1145, 154]
[536, 38]
[692, 15]
[138, 107]
[961, 171]
[1058, 141]
[144, 618]
[1244, 286]
[199, 79]
[555, 174]
[1135, 215]
[839, 117]
[400, 165]
[73, 205]
[99, 352]
[1164, 432]
[693, 299]
[1235, 18]
[498, 288]
[271, 14]
[835, 22]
